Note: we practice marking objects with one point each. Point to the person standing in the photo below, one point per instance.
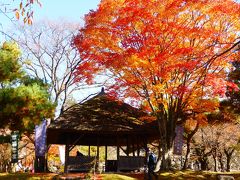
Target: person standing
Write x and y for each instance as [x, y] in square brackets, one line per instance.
[151, 162]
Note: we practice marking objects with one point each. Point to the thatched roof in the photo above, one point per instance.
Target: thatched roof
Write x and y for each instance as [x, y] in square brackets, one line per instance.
[98, 120]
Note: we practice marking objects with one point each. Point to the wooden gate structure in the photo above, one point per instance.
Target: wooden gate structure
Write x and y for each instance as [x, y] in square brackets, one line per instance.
[104, 121]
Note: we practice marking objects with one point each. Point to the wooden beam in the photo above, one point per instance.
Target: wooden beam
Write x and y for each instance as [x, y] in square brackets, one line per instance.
[124, 150]
[75, 142]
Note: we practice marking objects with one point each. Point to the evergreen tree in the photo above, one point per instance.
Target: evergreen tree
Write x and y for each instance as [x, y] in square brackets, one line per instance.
[24, 101]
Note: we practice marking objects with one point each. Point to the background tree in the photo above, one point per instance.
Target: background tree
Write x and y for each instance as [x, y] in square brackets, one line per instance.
[170, 55]
[219, 140]
[5, 152]
[191, 127]
[53, 58]
[24, 102]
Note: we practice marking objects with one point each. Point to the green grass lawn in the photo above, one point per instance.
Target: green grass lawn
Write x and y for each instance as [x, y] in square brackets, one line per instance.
[189, 175]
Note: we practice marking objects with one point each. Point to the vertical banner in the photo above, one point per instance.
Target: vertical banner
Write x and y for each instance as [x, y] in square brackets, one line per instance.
[40, 139]
[178, 141]
[14, 142]
[62, 153]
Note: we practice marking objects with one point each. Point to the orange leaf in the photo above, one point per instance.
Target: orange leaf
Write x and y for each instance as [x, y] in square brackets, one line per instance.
[29, 21]
[20, 6]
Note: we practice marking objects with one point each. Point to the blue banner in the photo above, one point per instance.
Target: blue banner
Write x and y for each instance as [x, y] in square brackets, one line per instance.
[40, 139]
[178, 142]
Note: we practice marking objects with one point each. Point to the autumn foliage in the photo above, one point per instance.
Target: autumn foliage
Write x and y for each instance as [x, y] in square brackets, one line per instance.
[165, 47]
[172, 54]
[25, 10]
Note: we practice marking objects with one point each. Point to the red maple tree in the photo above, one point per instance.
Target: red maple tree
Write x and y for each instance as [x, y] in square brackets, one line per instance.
[173, 55]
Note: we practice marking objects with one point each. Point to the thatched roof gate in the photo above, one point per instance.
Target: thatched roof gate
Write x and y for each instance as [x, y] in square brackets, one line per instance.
[102, 121]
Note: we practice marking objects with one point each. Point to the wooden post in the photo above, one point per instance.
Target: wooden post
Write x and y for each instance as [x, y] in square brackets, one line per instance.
[133, 149]
[46, 159]
[138, 149]
[98, 152]
[97, 163]
[118, 153]
[89, 149]
[105, 158]
[146, 149]
[66, 158]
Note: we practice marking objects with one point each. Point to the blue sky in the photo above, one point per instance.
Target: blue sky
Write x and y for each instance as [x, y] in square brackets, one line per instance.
[72, 10]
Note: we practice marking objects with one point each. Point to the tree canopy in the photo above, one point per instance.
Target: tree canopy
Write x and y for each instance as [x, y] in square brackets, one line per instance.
[10, 69]
[24, 101]
[172, 54]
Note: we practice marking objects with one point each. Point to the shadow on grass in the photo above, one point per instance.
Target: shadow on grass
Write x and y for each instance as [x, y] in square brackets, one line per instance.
[29, 176]
[176, 175]
[191, 175]
[75, 176]
[124, 176]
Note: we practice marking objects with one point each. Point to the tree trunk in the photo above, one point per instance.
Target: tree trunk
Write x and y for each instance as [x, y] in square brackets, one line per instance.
[166, 127]
[228, 153]
[189, 138]
[159, 160]
[166, 163]
[220, 160]
[215, 163]
[167, 120]
[186, 156]
[214, 155]
[165, 156]
[228, 164]
[204, 163]
[203, 157]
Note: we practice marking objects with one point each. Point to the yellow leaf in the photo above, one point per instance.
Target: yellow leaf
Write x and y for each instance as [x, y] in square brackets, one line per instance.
[25, 20]
[23, 12]
[17, 14]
